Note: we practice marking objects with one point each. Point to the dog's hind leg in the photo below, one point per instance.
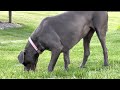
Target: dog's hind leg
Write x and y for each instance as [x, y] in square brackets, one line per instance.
[101, 33]
[66, 59]
[100, 23]
[86, 44]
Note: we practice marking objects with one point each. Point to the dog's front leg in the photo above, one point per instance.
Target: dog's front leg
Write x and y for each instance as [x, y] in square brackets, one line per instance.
[54, 57]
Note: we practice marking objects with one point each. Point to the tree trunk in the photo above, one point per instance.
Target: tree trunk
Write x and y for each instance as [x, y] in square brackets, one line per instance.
[10, 16]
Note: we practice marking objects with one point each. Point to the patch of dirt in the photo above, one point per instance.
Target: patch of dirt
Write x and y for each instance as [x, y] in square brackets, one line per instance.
[6, 25]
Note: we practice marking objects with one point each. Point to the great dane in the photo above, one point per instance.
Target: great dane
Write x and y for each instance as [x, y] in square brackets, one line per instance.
[60, 33]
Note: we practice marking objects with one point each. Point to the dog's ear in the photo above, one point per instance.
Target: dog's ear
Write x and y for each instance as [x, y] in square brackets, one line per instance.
[21, 57]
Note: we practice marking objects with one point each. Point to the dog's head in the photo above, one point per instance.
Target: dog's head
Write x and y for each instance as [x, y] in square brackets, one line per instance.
[28, 59]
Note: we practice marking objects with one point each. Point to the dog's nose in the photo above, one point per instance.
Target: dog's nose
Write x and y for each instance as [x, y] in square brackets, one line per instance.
[29, 67]
[26, 69]
[33, 67]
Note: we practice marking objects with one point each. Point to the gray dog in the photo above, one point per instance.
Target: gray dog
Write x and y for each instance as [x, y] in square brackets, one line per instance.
[60, 33]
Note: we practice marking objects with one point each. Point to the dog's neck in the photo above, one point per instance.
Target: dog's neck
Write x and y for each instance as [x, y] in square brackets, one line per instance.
[37, 44]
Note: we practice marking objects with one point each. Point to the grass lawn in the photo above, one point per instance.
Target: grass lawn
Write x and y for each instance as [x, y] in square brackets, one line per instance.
[12, 41]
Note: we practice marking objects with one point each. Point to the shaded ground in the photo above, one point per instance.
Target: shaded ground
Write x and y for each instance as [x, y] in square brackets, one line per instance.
[6, 25]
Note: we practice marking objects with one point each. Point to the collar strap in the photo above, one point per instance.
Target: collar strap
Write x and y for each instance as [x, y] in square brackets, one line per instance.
[34, 46]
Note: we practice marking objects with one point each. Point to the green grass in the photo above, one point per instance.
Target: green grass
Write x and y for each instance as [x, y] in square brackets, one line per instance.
[12, 41]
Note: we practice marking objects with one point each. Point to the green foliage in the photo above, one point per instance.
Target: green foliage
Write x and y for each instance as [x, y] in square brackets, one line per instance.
[12, 41]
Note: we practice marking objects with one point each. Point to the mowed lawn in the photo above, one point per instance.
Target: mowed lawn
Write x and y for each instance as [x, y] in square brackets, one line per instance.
[12, 41]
